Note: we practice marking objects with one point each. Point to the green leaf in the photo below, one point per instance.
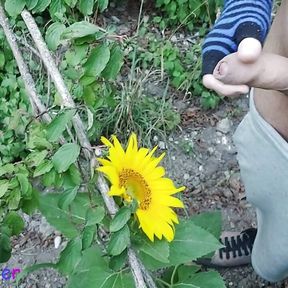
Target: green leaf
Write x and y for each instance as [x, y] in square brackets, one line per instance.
[88, 236]
[57, 9]
[4, 185]
[79, 29]
[119, 241]
[65, 156]
[30, 4]
[114, 65]
[120, 219]
[43, 168]
[53, 35]
[62, 220]
[102, 4]
[24, 183]
[30, 205]
[14, 7]
[201, 280]
[93, 271]
[6, 169]
[159, 249]
[5, 247]
[35, 158]
[14, 222]
[116, 263]
[97, 61]
[210, 221]
[71, 3]
[14, 199]
[67, 197]
[2, 60]
[95, 215]
[86, 7]
[190, 243]
[41, 6]
[70, 256]
[58, 125]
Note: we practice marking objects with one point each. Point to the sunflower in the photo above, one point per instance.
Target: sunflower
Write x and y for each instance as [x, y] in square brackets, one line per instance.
[135, 174]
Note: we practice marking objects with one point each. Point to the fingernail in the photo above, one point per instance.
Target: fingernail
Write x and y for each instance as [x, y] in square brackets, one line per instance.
[221, 69]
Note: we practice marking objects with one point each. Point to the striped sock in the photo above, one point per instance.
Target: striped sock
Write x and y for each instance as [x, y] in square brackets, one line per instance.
[240, 19]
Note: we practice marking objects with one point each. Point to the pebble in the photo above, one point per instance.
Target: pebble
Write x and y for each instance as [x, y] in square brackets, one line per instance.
[186, 176]
[98, 152]
[171, 139]
[173, 158]
[155, 138]
[162, 145]
[224, 126]
[57, 242]
[174, 39]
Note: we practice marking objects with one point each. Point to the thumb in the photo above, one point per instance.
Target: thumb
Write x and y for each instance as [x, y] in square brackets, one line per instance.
[249, 50]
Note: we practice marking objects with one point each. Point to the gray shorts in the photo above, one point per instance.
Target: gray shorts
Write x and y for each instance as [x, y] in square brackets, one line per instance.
[263, 160]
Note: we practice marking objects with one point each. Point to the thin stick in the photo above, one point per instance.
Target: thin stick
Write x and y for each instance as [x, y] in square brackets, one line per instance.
[37, 106]
[80, 132]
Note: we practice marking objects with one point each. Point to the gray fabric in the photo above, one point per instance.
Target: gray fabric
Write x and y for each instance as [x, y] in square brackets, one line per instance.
[263, 160]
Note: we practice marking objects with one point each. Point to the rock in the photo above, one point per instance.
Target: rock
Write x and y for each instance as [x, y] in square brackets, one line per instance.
[174, 39]
[155, 139]
[235, 183]
[224, 125]
[162, 145]
[186, 176]
[227, 193]
[57, 241]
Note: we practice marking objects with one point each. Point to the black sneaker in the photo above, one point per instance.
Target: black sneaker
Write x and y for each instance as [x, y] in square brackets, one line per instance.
[237, 250]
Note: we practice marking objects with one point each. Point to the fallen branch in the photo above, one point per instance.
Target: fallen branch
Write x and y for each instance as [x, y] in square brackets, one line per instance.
[81, 135]
[37, 106]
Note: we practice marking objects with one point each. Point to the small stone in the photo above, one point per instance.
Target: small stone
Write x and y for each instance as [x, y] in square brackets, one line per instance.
[115, 19]
[57, 242]
[171, 139]
[227, 193]
[173, 158]
[155, 138]
[162, 145]
[173, 39]
[186, 176]
[224, 125]
[235, 183]
[98, 152]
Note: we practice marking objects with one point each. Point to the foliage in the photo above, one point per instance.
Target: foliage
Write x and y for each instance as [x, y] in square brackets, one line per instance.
[32, 159]
[188, 13]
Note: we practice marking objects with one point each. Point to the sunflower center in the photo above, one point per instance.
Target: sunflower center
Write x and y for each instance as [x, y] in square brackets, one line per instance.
[136, 187]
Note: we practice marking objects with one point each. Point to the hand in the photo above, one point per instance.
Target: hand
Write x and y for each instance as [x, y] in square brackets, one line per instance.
[249, 51]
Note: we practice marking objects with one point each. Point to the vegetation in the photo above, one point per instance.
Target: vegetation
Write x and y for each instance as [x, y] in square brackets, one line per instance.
[35, 155]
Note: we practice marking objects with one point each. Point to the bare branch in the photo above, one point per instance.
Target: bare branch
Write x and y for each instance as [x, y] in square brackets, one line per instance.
[30, 86]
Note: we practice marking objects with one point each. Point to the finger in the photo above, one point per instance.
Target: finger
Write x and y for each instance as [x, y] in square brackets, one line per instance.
[210, 82]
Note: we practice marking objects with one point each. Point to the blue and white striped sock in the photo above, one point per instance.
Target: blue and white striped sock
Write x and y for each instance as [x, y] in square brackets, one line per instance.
[240, 19]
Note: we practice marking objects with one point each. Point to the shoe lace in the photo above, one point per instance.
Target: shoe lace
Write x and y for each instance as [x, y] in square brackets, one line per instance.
[239, 245]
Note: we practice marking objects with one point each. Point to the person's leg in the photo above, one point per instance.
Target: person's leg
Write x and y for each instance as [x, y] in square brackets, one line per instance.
[263, 159]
